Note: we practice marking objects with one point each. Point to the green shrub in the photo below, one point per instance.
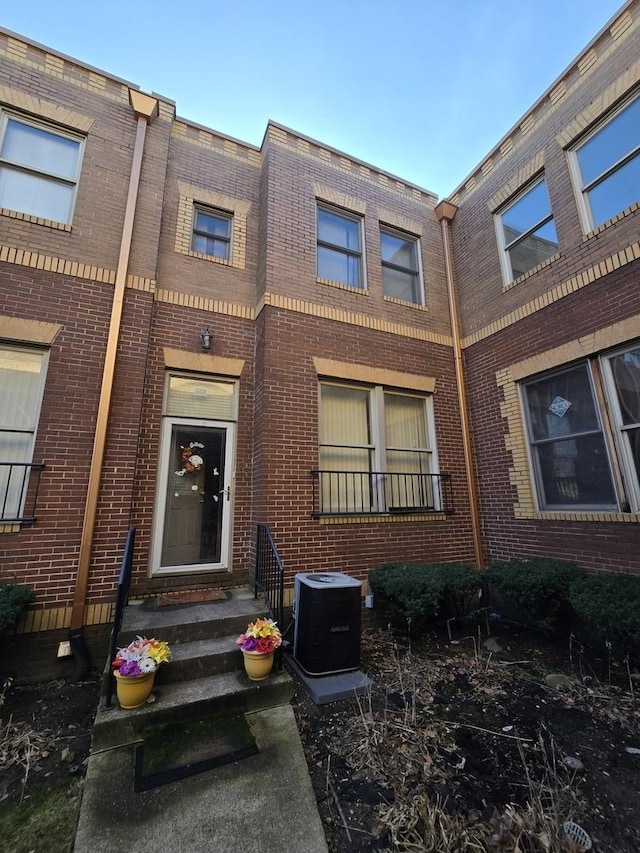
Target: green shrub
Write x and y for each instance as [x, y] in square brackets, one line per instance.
[14, 600]
[538, 588]
[609, 605]
[420, 592]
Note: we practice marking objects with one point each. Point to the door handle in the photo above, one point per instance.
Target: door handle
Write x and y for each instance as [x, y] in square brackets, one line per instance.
[226, 492]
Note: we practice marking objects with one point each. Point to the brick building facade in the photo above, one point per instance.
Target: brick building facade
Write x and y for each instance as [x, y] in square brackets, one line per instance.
[326, 402]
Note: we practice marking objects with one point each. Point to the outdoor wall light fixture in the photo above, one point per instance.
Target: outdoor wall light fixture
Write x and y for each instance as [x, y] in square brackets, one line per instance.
[205, 337]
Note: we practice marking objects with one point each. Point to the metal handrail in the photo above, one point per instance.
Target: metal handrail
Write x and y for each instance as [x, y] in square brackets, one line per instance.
[124, 582]
[269, 578]
[19, 486]
[380, 493]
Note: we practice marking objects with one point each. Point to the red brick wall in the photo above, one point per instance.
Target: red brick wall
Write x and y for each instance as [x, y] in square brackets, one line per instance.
[595, 545]
[45, 555]
[287, 449]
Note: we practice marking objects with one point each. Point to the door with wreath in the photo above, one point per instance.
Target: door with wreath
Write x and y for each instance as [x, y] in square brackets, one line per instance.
[195, 505]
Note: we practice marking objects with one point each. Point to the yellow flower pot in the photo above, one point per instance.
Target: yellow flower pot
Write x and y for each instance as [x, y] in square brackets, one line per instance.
[257, 665]
[134, 690]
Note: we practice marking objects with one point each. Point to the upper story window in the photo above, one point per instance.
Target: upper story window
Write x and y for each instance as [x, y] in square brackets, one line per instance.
[340, 247]
[401, 266]
[606, 166]
[526, 232]
[39, 169]
[212, 233]
[22, 374]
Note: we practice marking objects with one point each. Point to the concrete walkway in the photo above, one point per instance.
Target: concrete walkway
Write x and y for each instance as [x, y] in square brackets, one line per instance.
[264, 802]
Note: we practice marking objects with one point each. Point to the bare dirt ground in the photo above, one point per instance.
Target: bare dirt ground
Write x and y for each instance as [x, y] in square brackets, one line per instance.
[45, 735]
[465, 747]
[459, 746]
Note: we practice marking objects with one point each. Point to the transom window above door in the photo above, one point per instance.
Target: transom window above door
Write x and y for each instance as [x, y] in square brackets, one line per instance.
[212, 233]
[340, 256]
[39, 169]
[526, 232]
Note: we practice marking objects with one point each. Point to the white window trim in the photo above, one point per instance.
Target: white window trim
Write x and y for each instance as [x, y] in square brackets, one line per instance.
[582, 202]
[378, 439]
[536, 477]
[505, 259]
[38, 409]
[629, 472]
[415, 239]
[5, 116]
[354, 217]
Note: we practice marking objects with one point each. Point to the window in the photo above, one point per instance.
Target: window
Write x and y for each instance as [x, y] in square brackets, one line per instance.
[568, 450]
[340, 247]
[622, 374]
[22, 373]
[39, 169]
[526, 232]
[212, 233]
[607, 166]
[376, 452]
[401, 266]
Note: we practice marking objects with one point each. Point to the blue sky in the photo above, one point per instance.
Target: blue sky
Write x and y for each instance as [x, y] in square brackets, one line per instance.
[420, 88]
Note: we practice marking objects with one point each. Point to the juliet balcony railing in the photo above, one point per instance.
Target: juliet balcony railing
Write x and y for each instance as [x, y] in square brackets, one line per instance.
[19, 487]
[380, 493]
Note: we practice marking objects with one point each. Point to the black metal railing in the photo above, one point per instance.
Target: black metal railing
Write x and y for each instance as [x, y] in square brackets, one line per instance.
[269, 578]
[19, 487]
[124, 582]
[378, 493]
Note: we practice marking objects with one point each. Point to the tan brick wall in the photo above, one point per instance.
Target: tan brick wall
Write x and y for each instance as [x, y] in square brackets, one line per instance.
[575, 102]
[59, 91]
[295, 177]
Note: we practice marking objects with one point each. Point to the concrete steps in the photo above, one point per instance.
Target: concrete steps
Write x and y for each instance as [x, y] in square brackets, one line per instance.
[206, 672]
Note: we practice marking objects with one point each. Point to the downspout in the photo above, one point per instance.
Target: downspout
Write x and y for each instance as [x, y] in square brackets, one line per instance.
[146, 109]
[445, 213]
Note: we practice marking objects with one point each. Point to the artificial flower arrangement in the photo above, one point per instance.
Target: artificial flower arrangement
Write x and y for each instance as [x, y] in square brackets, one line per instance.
[190, 458]
[262, 636]
[141, 656]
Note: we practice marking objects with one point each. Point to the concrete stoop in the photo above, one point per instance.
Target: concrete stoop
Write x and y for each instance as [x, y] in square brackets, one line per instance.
[262, 801]
[205, 674]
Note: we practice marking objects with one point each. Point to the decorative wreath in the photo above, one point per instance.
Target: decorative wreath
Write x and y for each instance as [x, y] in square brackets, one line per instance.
[191, 460]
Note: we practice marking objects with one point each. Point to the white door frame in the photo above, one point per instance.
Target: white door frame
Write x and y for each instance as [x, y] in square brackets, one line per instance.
[226, 496]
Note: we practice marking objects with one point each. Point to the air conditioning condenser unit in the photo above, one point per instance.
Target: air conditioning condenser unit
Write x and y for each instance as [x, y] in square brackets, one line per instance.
[327, 622]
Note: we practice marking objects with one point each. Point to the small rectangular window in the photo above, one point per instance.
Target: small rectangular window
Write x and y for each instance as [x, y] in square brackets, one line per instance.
[401, 266]
[212, 233]
[340, 247]
[526, 231]
[607, 166]
[39, 169]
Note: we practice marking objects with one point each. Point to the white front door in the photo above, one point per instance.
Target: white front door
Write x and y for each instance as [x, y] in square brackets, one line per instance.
[193, 513]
